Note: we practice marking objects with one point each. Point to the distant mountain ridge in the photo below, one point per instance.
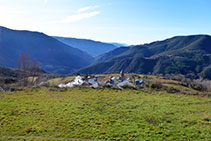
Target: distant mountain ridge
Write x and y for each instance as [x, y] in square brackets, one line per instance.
[119, 44]
[177, 55]
[54, 56]
[188, 55]
[92, 47]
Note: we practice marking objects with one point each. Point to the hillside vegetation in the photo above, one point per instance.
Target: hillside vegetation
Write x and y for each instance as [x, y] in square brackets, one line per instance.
[84, 113]
[112, 53]
[187, 55]
[6, 72]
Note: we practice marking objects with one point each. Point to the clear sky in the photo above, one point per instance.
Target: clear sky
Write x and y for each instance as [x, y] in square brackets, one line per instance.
[124, 21]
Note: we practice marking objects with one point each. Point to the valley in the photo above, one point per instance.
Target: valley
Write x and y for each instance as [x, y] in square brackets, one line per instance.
[98, 70]
[172, 103]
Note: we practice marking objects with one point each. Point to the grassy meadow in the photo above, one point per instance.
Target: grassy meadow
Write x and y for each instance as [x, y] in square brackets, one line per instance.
[104, 114]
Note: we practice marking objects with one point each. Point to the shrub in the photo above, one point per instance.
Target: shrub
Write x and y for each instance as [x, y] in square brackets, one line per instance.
[173, 90]
[206, 73]
[1, 89]
[201, 85]
[154, 84]
[128, 87]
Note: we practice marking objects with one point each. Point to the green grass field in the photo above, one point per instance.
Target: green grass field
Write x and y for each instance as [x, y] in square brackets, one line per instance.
[104, 114]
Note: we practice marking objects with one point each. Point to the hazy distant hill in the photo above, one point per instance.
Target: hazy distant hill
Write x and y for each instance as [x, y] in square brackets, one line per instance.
[54, 56]
[177, 55]
[119, 44]
[94, 48]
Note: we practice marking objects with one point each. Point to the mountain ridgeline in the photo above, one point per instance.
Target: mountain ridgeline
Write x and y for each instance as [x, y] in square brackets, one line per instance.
[53, 55]
[93, 48]
[188, 55]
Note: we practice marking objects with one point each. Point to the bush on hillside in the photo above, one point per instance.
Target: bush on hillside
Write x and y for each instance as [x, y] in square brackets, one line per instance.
[206, 73]
[201, 85]
[173, 90]
[154, 84]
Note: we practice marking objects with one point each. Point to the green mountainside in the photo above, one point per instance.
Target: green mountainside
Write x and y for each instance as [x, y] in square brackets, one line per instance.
[178, 55]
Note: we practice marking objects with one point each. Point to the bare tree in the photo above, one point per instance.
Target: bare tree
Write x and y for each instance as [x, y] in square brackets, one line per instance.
[27, 68]
[35, 71]
[22, 68]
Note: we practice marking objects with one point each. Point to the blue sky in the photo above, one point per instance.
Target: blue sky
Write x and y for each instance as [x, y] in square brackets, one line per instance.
[126, 21]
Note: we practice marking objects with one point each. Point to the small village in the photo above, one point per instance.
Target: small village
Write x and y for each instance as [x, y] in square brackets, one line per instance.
[101, 81]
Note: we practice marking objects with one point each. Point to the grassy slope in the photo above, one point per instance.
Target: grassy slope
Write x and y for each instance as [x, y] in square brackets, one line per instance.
[103, 114]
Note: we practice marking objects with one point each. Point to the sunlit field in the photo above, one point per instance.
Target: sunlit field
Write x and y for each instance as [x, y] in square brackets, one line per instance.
[105, 114]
